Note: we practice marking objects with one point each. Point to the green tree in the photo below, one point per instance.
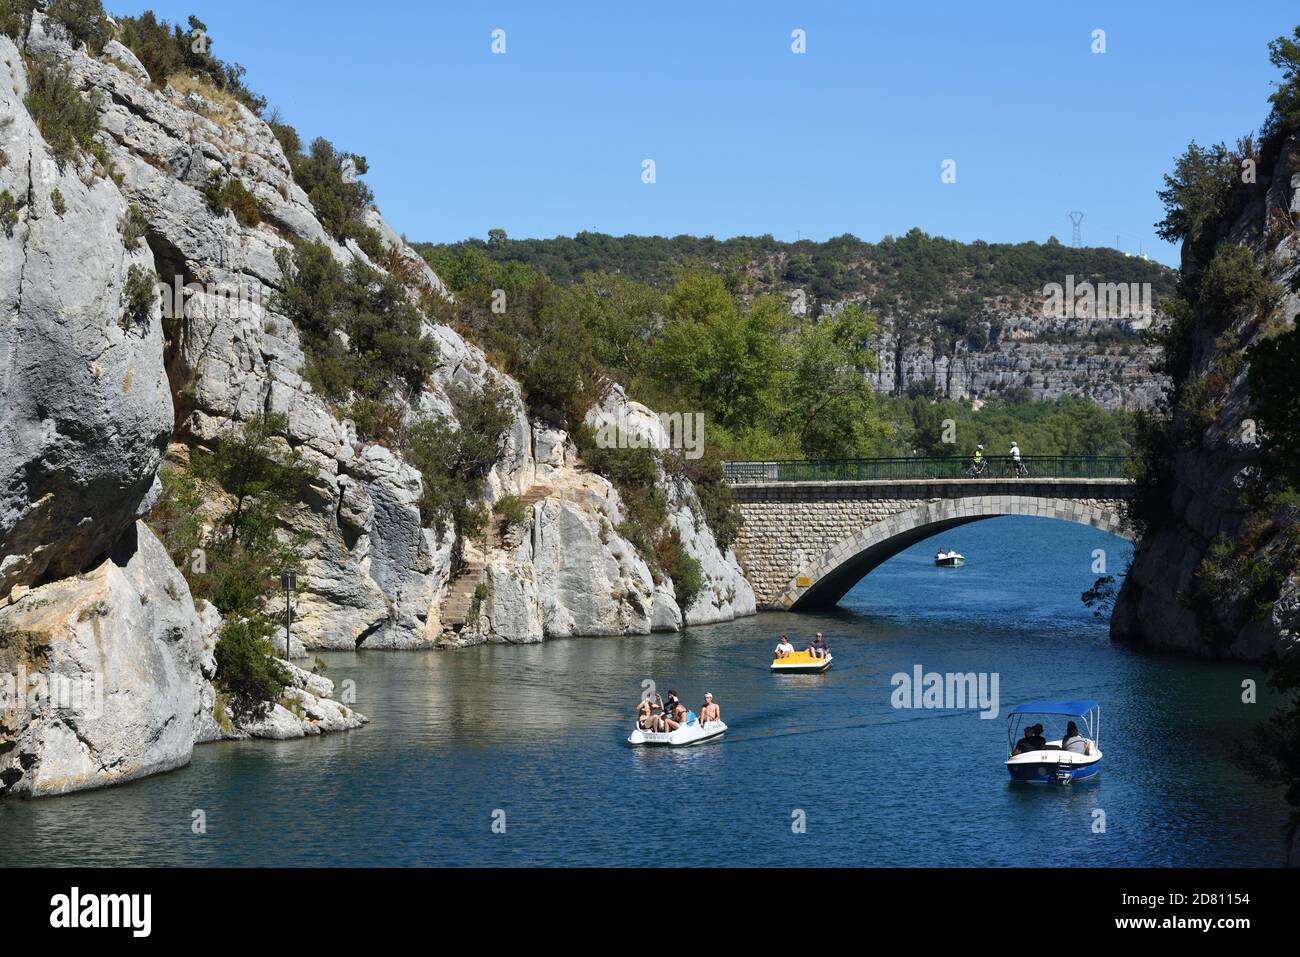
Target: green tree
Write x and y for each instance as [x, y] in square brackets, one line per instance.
[247, 668]
[233, 555]
[723, 358]
[621, 316]
[830, 405]
[1284, 53]
[1197, 192]
[256, 467]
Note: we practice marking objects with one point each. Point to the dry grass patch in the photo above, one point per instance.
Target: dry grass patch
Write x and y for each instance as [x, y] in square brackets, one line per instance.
[220, 106]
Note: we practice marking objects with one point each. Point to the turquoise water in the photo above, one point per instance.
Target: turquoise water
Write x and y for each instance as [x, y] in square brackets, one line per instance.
[537, 732]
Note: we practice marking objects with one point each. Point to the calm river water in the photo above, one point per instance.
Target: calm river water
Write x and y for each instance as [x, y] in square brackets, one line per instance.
[533, 738]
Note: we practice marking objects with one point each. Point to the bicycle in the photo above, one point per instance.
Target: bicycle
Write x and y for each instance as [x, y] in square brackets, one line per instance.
[976, 469]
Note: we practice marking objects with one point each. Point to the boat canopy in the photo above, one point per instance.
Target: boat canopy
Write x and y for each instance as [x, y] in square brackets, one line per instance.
[1072, 708]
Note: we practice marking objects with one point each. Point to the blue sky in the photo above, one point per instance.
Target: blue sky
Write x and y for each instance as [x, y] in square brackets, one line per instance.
[748, 137]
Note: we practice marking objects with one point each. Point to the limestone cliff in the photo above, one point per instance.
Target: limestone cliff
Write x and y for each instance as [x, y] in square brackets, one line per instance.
[1214, 452]
[94, 390]
[1026, 354]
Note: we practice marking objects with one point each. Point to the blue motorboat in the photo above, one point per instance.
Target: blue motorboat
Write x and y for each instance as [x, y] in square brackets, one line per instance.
[1067, 759]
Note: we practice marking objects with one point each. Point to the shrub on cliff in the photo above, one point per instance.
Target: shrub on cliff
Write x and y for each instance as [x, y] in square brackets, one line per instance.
[85, 20]
[634, 472]
[1233, 284]
[1274, 372]
[66, 120]
[362, 335]
[512, 512]
[248, 670]
[675, 563]
[1152, 472]
[525, 324]
[329, 177]
[713, 491]
[134, 226]
[16, 17]
[165, 51]
[141, 291]
[236, 564]
[8, 213]
[223, 521]
[1284, 53]
[454, 458]
[228, 194]
[1197, 193]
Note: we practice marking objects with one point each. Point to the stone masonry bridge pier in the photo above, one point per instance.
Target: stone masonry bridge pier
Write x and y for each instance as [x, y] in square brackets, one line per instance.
[812, 530]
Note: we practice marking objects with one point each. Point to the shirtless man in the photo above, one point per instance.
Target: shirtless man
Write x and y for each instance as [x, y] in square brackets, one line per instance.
[709, 711]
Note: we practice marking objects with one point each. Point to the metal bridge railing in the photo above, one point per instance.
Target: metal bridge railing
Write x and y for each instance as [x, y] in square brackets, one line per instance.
[908, 469]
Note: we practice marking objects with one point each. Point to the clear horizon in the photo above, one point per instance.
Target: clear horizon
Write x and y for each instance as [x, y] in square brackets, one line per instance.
[748, 137]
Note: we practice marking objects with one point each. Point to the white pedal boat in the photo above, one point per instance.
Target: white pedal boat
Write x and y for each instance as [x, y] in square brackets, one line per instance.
[685, 736]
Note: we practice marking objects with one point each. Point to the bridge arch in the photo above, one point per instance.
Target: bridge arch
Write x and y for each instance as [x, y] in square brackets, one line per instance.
[823, 581]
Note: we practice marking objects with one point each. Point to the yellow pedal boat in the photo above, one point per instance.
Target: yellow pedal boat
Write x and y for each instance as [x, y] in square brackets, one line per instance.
[801, 663]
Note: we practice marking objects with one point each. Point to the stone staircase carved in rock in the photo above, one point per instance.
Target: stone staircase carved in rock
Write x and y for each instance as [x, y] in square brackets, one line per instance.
[458, 604]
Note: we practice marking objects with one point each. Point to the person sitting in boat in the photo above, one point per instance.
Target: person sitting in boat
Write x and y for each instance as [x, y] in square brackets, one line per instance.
[709, 711]
[648, 711]
[675, 716]
[1036, 737]
[669, 709]
[819, 648]
[1026, 743]
[783, 647]
[1073, 741]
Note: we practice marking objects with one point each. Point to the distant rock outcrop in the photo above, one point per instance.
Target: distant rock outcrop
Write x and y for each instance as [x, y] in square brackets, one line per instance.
[1033, 356]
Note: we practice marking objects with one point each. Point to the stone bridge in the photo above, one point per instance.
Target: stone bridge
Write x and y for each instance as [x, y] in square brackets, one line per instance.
[804, 544]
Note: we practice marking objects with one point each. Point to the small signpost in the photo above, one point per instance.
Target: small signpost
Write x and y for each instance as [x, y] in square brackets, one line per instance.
[289, 580]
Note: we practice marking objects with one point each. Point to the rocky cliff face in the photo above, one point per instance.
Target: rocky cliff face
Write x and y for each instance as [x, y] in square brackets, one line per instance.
[1042, 358]
[1213, 464]
[87, 408]
[92, 399]
[107, 674]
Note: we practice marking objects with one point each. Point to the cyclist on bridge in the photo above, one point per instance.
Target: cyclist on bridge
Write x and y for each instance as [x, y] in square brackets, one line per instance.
[1016, 465]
